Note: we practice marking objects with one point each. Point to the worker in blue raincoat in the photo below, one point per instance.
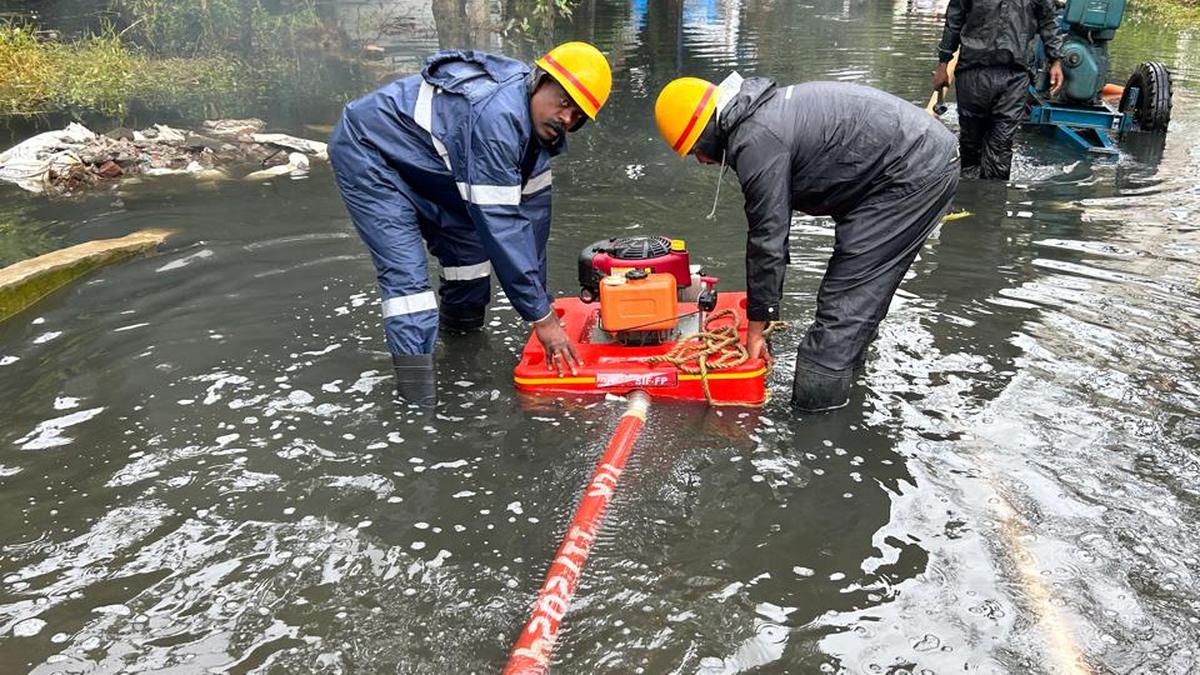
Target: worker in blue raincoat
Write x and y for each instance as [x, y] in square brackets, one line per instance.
[457, 159]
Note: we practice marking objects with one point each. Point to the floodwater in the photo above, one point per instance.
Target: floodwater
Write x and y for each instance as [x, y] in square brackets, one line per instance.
[202, 470]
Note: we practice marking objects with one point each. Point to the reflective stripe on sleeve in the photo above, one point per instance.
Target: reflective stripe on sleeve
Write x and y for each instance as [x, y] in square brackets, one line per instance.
[494, 195]
[467, 272]
[538, 183]
[409, 304]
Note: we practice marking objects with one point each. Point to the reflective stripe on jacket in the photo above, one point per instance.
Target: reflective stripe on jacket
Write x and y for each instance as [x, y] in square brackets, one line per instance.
[460, 135]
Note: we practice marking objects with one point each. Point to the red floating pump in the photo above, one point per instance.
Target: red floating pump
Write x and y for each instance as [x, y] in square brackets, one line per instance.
[651, 297]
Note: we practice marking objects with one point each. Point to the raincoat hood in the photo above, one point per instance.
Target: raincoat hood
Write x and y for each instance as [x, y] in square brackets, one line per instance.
[478, 75]
[738, 100]
[749, 97]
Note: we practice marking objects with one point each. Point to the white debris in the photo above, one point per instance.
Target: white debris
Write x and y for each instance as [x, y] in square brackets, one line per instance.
[233, 128]
[75, 157]
[191, 168]
[296, 167]
[28, 163]
[315, 148]
[166, 134]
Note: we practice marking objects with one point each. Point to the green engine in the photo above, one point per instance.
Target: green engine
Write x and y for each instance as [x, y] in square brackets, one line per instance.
[1089, 26]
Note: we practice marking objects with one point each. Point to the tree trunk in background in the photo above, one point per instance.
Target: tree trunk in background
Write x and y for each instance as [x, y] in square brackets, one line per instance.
[451, 20]
[479, 24]
[584, 15]
[246, 40]
[463, 24]
[664, 31]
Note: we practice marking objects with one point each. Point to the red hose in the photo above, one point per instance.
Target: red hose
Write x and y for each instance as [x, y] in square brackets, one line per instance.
[531, 654]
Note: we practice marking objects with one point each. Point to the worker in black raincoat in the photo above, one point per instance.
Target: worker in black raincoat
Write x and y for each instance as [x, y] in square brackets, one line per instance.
[882, 168]
[997, 51]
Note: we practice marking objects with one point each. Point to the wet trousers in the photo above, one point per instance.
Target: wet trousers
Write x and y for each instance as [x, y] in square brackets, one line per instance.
[874, 246]
[397, 222]
[992, 103]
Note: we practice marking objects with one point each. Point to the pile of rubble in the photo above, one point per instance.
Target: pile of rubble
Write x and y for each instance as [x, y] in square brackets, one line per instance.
[76, 159]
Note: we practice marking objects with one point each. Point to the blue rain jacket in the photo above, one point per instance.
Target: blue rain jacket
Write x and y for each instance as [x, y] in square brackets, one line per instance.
[460, 137]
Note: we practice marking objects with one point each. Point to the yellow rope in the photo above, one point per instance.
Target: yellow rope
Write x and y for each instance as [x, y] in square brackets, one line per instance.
[712, 349]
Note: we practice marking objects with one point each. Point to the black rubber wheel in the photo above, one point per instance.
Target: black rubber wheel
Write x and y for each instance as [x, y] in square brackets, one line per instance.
[1153, 112]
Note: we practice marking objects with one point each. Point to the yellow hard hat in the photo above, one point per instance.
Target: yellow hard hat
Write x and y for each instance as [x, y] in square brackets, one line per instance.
[682, 110]
[583, 71]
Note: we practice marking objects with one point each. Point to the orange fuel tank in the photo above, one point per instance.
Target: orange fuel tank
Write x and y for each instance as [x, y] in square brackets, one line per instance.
[638, 301]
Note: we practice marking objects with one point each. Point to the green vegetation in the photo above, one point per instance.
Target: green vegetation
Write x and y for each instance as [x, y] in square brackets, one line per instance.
[284, 48]
[529, 18]
[1173, 13]
[205, 57]
[211, 57]
[207, 27]
[101, 73]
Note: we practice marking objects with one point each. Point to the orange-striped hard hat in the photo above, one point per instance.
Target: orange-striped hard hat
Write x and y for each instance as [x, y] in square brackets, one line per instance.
[682, 110]
[581, 70]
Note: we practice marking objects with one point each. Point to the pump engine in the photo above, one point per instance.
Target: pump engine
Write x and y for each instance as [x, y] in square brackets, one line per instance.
[640, 283]
[1089, 25]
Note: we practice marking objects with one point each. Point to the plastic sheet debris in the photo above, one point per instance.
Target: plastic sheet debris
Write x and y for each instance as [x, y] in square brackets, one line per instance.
[234, 128]
[296, 167]
[315, 148]
[27, 164]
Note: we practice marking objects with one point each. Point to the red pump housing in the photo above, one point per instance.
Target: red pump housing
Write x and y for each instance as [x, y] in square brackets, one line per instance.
[620, 255]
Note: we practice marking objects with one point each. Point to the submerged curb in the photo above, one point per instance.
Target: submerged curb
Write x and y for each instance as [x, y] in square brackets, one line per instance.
[23, 284]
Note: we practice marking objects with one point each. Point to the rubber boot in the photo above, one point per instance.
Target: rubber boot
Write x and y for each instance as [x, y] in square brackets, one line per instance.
[817, 388]
[461, 320]
[415, 380]
[860, 363]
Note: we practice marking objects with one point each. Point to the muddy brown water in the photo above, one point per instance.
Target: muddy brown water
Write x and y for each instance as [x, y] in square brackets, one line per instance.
[201, 468]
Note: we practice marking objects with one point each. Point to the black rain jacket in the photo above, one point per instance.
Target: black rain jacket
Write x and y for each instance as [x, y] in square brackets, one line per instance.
[821, 148]
[999, 33]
